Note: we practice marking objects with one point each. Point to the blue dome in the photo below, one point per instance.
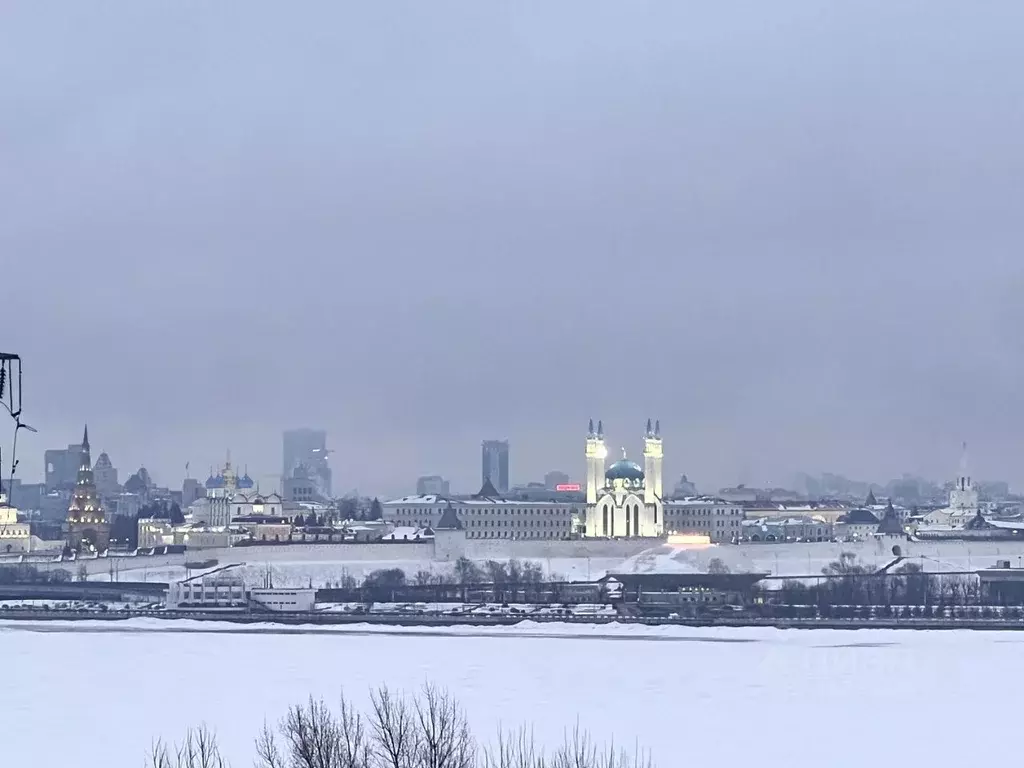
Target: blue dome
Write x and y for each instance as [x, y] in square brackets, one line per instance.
[245, 482]
[215, 482]
[624, 469]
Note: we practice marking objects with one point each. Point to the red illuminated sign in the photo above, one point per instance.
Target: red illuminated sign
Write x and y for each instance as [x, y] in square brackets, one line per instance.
[567, 487]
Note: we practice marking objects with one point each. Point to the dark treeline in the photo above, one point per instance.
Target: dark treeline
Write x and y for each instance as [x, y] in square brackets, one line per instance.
[847, 587]
[467, 581]
[23, 573]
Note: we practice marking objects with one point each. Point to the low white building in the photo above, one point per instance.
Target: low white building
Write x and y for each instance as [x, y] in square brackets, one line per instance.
[719, 520]
[778, 529]
[272, 599]
[857, 525]
[222, 588]
[158, 532]
[14, 536]
[404, 533]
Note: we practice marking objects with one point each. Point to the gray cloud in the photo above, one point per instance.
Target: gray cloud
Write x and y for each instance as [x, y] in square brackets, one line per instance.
[792, 232]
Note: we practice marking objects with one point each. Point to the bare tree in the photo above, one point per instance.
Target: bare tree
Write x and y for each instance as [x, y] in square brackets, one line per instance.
[198, 750]
[443, 738]
[356, 751]
[717, 566]
[424, 578]
[315, 738]
[468, 572]
[267, 753]
[393, 733]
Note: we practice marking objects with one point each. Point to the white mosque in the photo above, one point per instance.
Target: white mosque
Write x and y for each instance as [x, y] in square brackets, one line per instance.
[624, 500]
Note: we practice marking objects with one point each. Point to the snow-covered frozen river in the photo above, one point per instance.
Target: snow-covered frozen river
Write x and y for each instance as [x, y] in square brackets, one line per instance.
[694, 697]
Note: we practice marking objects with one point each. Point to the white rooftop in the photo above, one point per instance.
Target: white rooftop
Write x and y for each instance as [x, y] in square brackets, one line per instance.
[662, 559]
[407, 533]
[434, 500]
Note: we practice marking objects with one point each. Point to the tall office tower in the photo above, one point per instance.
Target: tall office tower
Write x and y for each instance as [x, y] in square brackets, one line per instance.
[495, 464]
[62, 467]
[432, 485]
[306, 450]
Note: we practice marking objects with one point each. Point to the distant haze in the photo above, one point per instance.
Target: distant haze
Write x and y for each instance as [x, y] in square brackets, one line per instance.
[791, 231]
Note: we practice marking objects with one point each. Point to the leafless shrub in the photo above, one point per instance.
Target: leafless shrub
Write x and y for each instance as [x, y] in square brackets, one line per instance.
[198, 750]
[514, 749]
[518, 749]
[428, 730]
[580, 751]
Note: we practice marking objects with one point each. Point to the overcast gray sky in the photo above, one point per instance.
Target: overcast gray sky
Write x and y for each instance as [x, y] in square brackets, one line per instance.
[792, 231]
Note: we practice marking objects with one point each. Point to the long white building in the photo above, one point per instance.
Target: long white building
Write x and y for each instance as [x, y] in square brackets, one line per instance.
[488, 516]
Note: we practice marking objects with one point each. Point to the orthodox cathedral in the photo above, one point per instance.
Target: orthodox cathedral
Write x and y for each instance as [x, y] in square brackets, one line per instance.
[228, 496]
[624, 500]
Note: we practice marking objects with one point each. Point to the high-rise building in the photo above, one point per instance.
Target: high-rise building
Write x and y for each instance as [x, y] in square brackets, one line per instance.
[191, 491]
[432, 485]
[61, 466]
[495, 464]
[305, 451]
[554, 478]
[105, 474]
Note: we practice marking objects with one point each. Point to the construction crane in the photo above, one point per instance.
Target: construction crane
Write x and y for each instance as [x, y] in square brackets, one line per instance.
[10, 399]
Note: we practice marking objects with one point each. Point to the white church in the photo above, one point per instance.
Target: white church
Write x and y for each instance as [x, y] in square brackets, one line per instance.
[624, 500]
[964, 504]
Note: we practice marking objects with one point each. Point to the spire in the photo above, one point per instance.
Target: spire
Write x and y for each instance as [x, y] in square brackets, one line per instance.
[623, 452]
[85, 438]
[600, 428]
[650, 431]
[657, 427]
[590, 428]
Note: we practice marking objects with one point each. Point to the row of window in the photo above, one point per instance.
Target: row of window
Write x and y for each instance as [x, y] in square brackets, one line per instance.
[678, 525]
[484, 511]
[516, 534]
[491, 523]
[675, 511]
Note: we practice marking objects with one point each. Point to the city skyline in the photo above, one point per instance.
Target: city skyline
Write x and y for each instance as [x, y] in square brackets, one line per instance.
[799, 256]
[466, 478]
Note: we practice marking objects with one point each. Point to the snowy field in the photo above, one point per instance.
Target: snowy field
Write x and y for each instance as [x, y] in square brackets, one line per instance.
[322, 574]
[323, 567]
[695, 697]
